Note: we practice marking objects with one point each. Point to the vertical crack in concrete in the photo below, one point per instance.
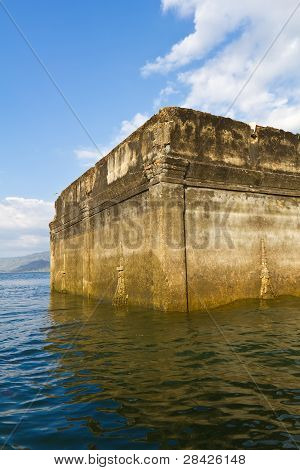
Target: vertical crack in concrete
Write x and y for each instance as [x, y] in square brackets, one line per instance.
[185, 250]
[266, 288]
[120, 298]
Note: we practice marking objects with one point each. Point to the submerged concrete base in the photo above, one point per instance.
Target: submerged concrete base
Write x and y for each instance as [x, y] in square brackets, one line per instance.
[191, 211]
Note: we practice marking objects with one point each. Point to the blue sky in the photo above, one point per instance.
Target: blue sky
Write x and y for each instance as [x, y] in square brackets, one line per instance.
[117, 63]
[94, 51]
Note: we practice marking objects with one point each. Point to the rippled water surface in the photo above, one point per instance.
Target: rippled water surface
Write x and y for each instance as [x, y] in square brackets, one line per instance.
[75, 375]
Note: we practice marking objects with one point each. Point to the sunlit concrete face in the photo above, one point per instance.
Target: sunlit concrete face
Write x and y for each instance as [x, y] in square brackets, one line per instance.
[189, 212]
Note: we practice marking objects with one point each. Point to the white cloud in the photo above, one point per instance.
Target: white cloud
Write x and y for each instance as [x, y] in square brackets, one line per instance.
[24, 225]
[89, 156]
[24, 245]
[217, 58]
[164, 95]
[127, 127]
[86, 154]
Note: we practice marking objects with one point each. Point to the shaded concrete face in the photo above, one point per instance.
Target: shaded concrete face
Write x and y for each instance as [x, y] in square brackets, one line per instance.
[246, 248]
[191, 211]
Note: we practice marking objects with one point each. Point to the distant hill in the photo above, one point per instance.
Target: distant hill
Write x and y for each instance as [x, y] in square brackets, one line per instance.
[37, 262]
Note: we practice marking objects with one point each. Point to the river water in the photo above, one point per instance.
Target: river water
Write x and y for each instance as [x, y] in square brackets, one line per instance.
[77, 375]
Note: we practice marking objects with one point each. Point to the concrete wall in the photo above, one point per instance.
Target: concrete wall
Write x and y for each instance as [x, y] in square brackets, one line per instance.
[244, 239]
[191, 211]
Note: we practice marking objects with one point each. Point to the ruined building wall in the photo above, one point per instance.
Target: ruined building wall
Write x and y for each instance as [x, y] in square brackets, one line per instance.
[189, 212]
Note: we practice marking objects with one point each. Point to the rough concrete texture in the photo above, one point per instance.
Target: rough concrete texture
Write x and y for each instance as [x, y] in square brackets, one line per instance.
[189, 212]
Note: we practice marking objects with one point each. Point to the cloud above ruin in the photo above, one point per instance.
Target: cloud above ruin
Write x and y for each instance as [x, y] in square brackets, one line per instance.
[24, 225]
[89, 156]
[236, 45]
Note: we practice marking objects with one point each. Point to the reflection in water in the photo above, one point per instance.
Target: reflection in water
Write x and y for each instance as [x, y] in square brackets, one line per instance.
[163, 380]
[140, 379]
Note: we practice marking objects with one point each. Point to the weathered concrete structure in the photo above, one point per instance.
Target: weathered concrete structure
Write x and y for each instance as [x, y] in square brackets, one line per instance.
[189, 212]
